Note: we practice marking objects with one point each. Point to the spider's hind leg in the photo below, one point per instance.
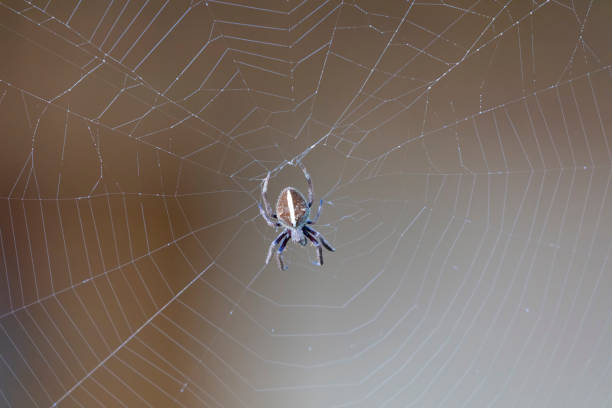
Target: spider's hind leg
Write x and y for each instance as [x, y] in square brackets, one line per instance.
[275, 243]
[318, 236]
[317, 244]
[279, 253]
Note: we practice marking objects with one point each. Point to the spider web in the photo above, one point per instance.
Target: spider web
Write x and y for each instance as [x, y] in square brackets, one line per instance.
[462, 152]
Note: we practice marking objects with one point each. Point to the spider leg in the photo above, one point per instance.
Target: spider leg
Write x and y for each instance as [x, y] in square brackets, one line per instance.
[268, 218]
[275, 243]
[320, 237]
[279, 253]
[309, 181]
[316, 244]
[316, 218]
[264, 196]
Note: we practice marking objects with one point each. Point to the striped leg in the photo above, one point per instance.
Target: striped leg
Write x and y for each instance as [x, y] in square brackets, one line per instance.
[274, 243]
[316, 244]
[319, 237]
[279, 253]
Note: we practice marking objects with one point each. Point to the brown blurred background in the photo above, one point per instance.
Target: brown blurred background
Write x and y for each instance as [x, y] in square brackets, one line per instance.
[462, 150]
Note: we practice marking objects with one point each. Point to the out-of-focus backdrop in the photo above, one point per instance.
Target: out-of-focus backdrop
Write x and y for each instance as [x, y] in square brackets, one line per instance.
[462, 149]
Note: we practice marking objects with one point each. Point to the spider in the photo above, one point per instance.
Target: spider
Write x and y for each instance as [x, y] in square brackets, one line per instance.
[293, 214]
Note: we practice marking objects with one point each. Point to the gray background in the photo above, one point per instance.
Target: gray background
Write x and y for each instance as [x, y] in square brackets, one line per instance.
[463, 152]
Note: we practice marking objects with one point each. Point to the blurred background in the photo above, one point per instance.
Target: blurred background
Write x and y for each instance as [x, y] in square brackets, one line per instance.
[462, 152]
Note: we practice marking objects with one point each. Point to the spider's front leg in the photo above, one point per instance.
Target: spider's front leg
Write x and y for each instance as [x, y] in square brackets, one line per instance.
[316, 218]
[266, 211]
[264, 195]
[309, 181]
[268, 218]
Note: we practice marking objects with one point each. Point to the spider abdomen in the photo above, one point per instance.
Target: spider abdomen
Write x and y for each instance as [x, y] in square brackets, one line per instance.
[291, 208]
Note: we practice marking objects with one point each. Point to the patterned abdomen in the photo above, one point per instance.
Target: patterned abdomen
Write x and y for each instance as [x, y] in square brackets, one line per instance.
[291, 208]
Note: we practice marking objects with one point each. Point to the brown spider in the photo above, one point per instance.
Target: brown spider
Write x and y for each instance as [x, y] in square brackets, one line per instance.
[292, 213]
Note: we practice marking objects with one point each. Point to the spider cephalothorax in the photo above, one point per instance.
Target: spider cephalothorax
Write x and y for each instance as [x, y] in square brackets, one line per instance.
[292, 213]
